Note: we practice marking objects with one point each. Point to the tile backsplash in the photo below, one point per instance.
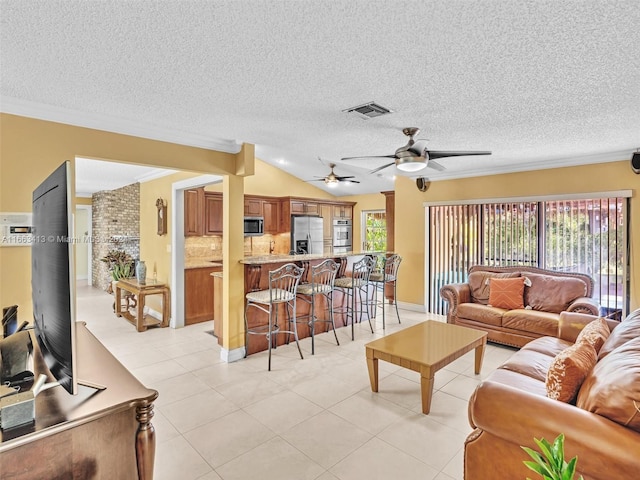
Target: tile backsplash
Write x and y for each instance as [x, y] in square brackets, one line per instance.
[210, 246]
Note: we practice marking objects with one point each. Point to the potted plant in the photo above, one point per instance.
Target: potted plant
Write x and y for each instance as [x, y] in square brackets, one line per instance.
[549, 463]
[120, 264]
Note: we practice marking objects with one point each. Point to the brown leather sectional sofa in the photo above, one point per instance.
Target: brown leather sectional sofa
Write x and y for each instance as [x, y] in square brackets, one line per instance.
[550, 293]
[511, 407]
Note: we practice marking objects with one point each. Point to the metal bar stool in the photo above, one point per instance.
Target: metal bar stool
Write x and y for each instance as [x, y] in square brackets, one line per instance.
[283, 285]
[323, 277]
[356, 283]
[388, 275]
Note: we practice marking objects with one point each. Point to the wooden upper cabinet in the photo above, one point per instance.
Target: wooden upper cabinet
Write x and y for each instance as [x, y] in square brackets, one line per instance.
[301, 207]
[253, 207]
[343, 211]
[193, 212]
[271, 213]
[212, 214]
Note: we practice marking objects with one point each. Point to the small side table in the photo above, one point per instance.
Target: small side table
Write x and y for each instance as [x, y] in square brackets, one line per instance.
[141, 291]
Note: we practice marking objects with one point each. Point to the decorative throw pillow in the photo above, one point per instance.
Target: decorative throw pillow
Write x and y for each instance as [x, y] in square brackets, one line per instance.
[595, 333]
[568, 370]
[479, 284]
[506, 292]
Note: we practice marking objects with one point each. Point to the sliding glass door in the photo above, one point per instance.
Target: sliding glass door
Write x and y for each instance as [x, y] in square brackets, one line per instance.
[579, 235]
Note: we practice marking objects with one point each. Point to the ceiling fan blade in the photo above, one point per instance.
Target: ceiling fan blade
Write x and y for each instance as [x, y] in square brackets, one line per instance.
[350, 181]
[442, 154]
[382, 167]
[368, 157]
[435, 165]
[344, 178]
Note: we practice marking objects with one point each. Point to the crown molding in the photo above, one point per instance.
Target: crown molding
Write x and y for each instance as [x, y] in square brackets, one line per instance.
[108, 123]
[560, 162]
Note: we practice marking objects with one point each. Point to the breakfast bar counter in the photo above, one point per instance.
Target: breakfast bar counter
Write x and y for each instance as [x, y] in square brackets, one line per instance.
[256, 278]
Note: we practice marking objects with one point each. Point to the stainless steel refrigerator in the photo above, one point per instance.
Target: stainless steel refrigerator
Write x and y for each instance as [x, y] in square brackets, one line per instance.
[306, 234]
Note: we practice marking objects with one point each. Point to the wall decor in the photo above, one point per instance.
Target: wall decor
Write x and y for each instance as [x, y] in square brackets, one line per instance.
[161, 205]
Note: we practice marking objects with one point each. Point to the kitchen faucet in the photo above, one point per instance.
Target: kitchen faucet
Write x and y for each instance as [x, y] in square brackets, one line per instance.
[272, 246]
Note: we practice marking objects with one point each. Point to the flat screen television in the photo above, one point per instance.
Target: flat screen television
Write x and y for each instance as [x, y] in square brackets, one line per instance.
[52, 276]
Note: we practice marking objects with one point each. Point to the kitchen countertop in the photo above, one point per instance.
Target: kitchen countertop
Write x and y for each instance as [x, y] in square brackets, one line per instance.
[279, 258]
[208, 262]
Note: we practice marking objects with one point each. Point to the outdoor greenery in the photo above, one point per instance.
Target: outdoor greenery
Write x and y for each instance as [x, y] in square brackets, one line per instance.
[376, 233]
[549, 463]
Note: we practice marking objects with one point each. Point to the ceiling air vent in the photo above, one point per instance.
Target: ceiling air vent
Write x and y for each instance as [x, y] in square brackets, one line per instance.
[369, 110]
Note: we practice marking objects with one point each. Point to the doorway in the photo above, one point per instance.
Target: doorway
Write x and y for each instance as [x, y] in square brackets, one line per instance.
[82, 239]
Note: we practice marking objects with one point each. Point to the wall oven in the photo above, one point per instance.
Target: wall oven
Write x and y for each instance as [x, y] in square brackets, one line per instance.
[342, 234]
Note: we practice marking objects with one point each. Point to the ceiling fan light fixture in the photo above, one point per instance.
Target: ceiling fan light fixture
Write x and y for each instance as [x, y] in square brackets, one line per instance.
[410, 164]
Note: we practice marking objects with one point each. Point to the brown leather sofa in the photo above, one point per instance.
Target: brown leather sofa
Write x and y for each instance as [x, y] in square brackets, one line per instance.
[550, 293]
[511, 407]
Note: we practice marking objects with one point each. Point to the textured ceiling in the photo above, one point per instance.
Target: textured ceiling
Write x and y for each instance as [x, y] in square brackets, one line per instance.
[539, 83]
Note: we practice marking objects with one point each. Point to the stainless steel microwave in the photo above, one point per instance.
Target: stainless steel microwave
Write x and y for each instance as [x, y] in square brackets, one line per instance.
[253, 226]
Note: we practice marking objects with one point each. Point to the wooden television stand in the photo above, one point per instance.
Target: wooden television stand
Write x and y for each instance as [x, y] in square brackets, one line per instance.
[97, 434]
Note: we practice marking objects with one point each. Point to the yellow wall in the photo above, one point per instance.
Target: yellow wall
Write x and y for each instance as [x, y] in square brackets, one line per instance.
[410, 215]
[30, 149]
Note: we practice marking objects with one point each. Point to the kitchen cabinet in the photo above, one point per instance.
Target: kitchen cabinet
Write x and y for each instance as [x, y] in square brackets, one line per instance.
[198, 294]
[326, 212]
[342, 211]
[302, 207]
[253, 207]
[271, 214]
[268, 208]
[212, 213]
[390, 203]
[193, 212]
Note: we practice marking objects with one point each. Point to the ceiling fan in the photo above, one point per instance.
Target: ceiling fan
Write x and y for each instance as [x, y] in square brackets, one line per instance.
[414, 155]
[332, 179]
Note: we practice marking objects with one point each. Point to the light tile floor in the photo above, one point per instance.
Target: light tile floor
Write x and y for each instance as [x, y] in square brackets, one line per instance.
[306, 419]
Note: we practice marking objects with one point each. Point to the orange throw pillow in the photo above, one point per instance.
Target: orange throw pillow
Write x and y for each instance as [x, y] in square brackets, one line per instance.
[568, 370]
[595, 333]
[506, 293]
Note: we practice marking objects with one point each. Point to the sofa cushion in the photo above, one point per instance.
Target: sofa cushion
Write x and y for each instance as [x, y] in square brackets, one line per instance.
[542, 323]
[506, 292]
[568, 370]
[552, 294]
[613, 386]
[627, 330]
[479, 284]
[530, 363]
[548, 345]
[519, 381]
[596, 333]
[480, 313]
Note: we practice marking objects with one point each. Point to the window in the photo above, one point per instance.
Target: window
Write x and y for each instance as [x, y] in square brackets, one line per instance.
[578, 235]
[374, 226]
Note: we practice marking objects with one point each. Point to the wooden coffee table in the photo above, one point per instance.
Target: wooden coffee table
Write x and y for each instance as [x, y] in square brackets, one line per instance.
[425, 348]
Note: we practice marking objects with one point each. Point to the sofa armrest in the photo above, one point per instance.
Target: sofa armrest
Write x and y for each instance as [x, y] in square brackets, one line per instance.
[455, 294]
[571, 324]
[584, 305]
[595, 439]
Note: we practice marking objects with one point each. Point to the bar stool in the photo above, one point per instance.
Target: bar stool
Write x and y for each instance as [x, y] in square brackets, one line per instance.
[323, 277]
[387, 275]
[283, 285]
[357, 282]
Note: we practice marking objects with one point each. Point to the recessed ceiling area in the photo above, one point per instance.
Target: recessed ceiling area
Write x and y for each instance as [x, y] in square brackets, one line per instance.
[539, 84]
[97, 175]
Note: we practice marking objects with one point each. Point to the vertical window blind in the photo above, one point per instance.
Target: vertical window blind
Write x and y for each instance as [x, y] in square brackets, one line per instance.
[586, 236]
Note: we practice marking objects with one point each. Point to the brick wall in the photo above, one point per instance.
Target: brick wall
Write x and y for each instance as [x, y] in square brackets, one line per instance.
[116, 226]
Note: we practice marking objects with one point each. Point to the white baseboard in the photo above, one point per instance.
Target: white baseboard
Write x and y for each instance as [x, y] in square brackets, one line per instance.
[414, 307]
[230, 356]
